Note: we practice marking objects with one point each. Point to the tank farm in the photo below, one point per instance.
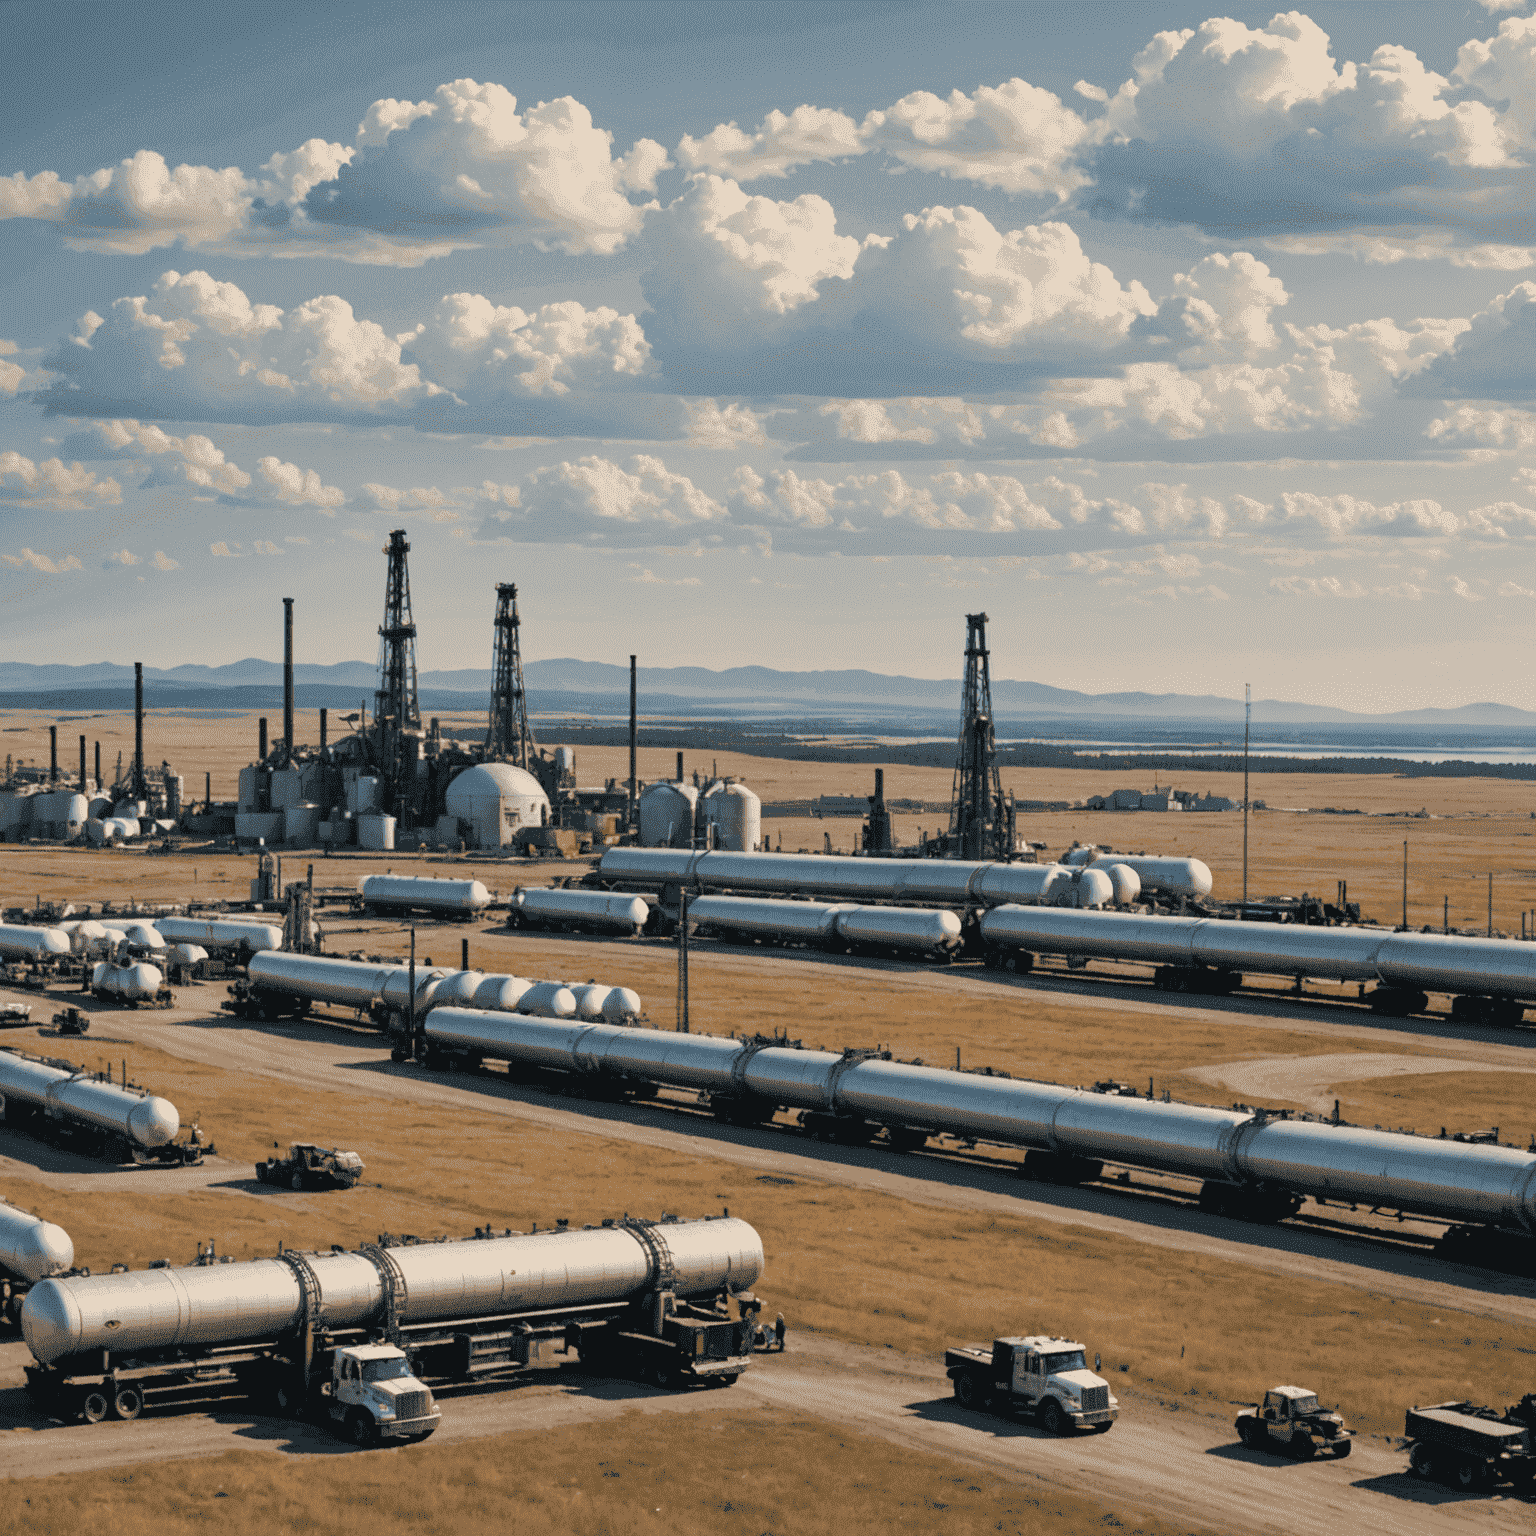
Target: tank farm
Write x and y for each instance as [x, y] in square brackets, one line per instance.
[667, 1009]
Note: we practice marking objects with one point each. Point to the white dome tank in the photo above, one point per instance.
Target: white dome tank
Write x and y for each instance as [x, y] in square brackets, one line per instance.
[136, 982]
[548, 1000]
[498, 801]
[187, 954]
[457, 990]
[738, 813]
[666, 815]
[1126, 881]
[501, 993]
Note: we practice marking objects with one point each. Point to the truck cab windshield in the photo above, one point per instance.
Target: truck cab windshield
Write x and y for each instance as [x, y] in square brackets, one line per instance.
[1066, 1360]
[385, 1370]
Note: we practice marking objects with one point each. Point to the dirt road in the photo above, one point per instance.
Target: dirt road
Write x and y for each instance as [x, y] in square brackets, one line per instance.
[1302, 1078]
[1159, 1458]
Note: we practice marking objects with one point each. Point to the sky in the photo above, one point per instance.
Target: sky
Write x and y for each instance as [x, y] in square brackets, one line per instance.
[1195, 347]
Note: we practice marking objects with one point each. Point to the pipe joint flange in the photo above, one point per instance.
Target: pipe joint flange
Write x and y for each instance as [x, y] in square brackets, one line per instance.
[851, 1058]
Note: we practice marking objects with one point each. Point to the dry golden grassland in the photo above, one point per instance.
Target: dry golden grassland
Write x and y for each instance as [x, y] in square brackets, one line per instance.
[868, 1268]
[752, 1471]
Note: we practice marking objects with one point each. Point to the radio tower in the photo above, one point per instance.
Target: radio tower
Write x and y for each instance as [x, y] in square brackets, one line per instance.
[396, 709]
[980, 819]
[510, 737]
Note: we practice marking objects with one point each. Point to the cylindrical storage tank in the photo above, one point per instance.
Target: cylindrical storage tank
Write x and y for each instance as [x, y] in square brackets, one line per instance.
[761, 917]
[146, 1120]
[396, 991]
[84, 935]
[15, 813]
[351, 983]
[662, 1055]
[267, 825]
[1020, 883]
[30, 1248]
[738, 814]
[187, 954]
[548, 1000]
[500, 992]
[59, 813]
[589, 1000]
[258, 1299]
[1181, 1138]
[136, 982]
[498, 800]
[1086, 888]
[143, 935]
[508, 1037]
[925, 930]
[600, 910]
[666, 815]
[1126, 883]
[1175, 877]
[98, 808]
[301, 825]
[647, 866]
[287, 788]
[621, 1006]
[221, 934]
[376, 833]
[461, 898]
[457, 989]
[17, 943]
[795, 1079]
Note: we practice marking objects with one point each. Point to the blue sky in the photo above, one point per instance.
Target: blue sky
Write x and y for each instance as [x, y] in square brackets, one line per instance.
[1198, 347]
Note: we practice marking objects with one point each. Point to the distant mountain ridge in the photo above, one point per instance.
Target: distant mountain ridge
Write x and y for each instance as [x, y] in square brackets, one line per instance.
[760, 687]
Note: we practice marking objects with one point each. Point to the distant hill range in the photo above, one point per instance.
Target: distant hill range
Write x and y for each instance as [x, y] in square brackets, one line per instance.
[601, 688]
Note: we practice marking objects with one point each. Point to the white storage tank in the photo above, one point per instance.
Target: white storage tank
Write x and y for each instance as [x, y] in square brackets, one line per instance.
[376, 833]
[548, 1000]
[137, 981]
[59, 813]
[498, 801]
[32, 943]
[500, 992]
[267, 825]
[459, 898]
[99, 808]
[738, 814]
[186, 954]
[15, 814]
[301, 825]
[666, 815]
[1126, 881]
[363, 794]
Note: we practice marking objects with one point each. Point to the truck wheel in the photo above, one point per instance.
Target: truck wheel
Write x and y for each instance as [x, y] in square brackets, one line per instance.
[128, 1404]
[728, 1380]
[1303, 1450]
[965, 1391]
[1420, 1462]
[361, 1429]
[663, 1376]
[1470, 1475]
[93, 1407]
[1052, 1419]
[296, 1182]
[1341, 1449]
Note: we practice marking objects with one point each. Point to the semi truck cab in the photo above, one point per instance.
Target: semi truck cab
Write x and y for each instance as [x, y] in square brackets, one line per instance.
[373, 1392]
[1037, 1374]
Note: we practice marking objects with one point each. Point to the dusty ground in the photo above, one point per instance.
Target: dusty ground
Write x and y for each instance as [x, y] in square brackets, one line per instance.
[878, 1260]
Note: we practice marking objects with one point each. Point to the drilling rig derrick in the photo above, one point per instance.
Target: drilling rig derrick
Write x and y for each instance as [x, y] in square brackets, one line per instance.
[510, 736]
[981, 818]
[397, 711]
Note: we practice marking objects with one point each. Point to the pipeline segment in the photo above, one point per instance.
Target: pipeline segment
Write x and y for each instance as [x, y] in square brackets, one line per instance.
[920, 881]
[141, 1119]
[1214, 953]
[219, 934]
[419, 893]
[598, 911]
[1251, 1163]
[922, 930]
[204, 1307]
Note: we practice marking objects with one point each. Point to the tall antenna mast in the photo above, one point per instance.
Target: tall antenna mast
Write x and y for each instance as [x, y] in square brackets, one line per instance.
[980, 820]
[396, 709]
[510, 736]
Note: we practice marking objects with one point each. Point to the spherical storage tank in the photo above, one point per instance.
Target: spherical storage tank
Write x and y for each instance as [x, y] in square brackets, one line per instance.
[666, 815]
[497, 800]
[738, 814]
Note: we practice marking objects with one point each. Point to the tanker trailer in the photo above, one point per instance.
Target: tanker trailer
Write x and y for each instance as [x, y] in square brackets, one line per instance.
[633, 1297]
[458, 899]
[585, 911]
[31, 1249]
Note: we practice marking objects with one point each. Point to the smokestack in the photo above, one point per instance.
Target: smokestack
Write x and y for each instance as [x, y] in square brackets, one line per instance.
[139, 786]
[679, 767]
[82, 765]
[879, 786]
[287, 679]
[261, 740]
[322, 733]
[53, 754]
[634, 738]
[207, 794]
[99, 785]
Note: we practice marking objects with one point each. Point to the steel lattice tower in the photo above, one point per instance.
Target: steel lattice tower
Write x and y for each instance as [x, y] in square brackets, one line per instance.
[510, 736]
[396, 708]
[979, 818]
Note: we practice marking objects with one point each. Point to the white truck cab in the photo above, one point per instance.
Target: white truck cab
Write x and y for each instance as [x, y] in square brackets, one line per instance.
[373, 1393]
[1036, 1373]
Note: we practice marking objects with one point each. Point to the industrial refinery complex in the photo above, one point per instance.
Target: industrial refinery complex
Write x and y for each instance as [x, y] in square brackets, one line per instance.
[602, 916]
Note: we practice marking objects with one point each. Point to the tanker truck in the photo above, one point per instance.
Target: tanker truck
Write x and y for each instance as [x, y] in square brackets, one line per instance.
[30, 1250]
[359, 1338]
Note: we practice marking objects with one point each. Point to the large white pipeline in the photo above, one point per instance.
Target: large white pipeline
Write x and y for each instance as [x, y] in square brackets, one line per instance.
[945, 882]
[1250, 1162]
[142, 1119]
[31, 1249]
[919, 930]
[1403, 965]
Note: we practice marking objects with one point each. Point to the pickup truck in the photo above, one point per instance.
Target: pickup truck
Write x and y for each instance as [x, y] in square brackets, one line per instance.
[1466, 1446]
[1290, 1419]
[1040, 1375]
